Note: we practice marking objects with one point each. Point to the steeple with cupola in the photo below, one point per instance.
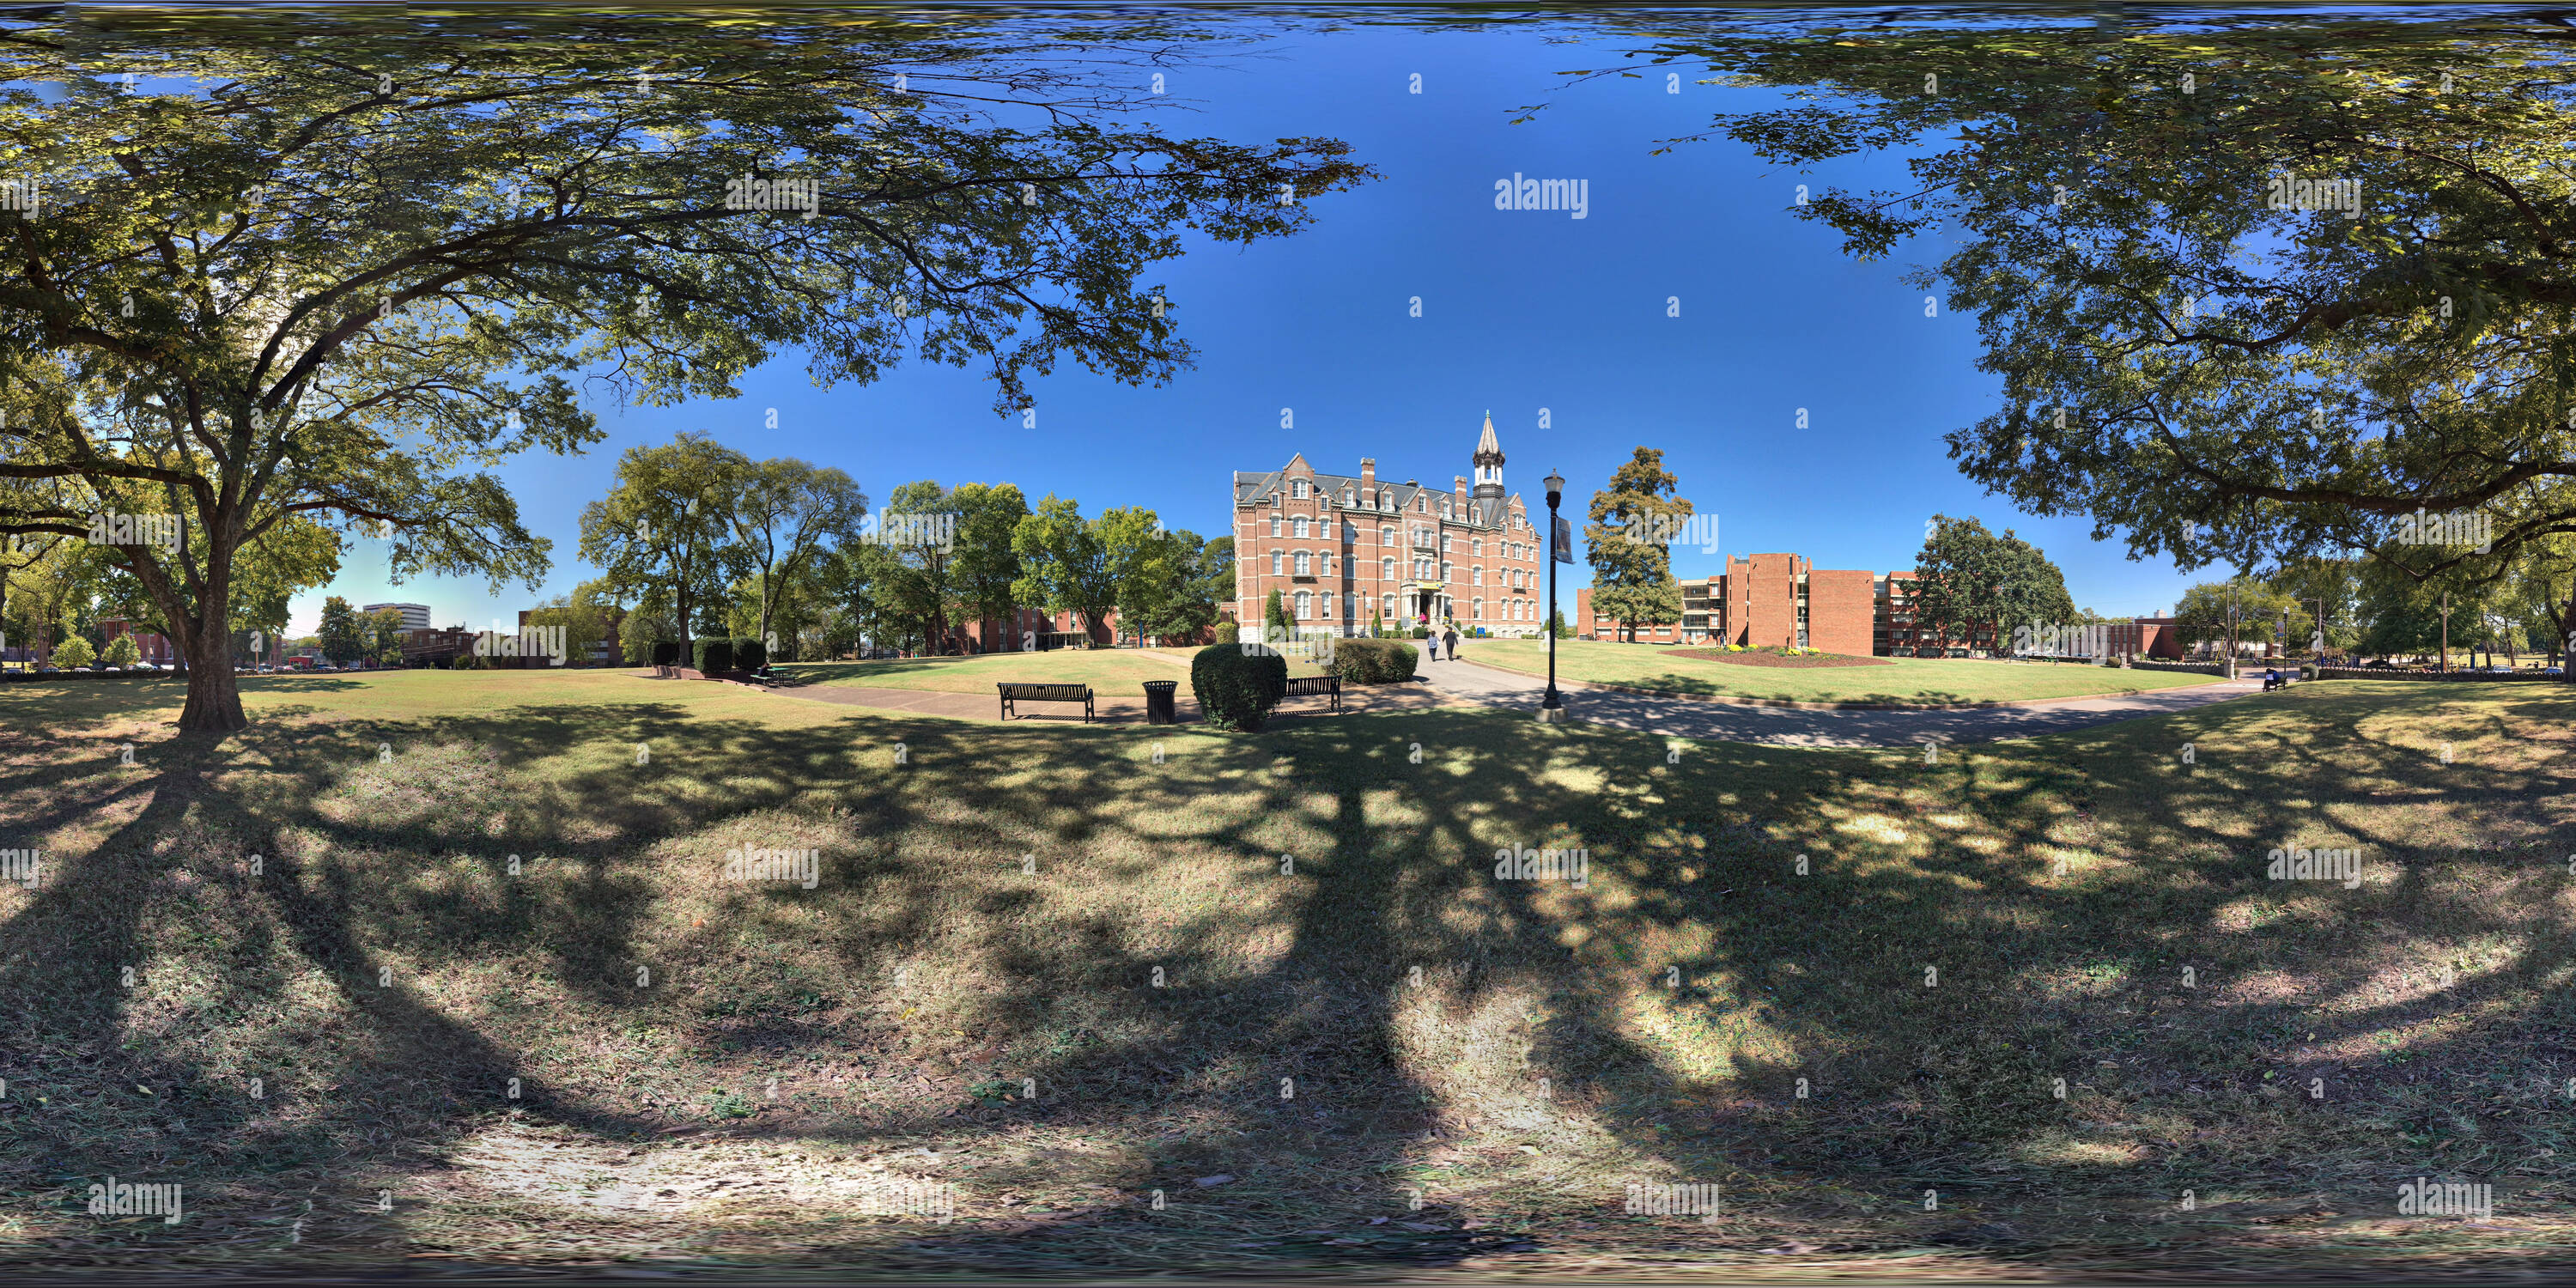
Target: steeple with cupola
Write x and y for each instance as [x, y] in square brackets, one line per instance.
[1489, 464]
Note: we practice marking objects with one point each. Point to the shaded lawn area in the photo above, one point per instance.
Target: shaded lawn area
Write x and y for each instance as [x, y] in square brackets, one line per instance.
[1930, 681]
[719, 1069]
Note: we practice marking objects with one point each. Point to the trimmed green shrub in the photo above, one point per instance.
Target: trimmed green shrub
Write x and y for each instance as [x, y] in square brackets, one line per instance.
[1422, 632]
[1374, 661]
[1228, 632]
[666, 652]
[1237, 684]
[712, 655]
[749, 654]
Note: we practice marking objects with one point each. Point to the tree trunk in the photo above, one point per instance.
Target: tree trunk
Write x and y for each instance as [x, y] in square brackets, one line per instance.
[214, 697]
[2567, 638]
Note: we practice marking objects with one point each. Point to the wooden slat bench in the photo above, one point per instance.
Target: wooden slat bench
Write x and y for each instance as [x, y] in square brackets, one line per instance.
[1016, 693]
[1316, 686]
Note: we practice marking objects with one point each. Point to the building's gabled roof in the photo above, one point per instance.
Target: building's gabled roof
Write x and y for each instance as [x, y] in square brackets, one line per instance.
[1251, 487]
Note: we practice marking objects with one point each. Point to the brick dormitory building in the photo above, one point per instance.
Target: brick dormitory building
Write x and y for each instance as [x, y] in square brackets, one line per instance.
[1343, 550]
[1776, 600]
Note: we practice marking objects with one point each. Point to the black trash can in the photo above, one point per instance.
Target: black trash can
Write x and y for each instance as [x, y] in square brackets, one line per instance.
[1158, 702]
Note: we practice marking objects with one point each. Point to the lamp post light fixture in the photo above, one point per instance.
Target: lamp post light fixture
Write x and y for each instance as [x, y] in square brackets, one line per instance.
[1552, 708]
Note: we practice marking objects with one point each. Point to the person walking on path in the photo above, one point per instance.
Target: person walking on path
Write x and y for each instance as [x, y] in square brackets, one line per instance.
[1451, 642]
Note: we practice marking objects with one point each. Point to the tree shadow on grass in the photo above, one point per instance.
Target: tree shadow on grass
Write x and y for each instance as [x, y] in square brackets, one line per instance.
[1287, 886]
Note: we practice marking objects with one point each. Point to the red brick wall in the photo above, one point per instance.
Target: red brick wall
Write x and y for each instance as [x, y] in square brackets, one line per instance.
[1842, 609]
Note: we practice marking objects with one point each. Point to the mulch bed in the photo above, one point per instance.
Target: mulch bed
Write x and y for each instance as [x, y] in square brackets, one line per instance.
[1800, 662]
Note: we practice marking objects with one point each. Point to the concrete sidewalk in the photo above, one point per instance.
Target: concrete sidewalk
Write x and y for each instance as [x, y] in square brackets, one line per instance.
[1786, 726]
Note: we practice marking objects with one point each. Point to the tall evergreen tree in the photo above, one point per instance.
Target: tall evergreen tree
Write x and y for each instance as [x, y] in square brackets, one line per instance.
[1628, 543]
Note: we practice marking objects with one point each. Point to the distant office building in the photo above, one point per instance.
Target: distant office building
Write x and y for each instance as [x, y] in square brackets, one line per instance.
[1783, 600]
[415, 617]
[1774, 601]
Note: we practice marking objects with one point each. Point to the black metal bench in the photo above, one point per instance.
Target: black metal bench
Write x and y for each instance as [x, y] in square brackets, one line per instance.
[1016, 693]
[1316, 686]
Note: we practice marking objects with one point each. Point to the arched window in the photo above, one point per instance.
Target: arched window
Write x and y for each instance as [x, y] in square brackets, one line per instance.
[1274, 525]
[1301, 529]
[1302, 569]
[1300, 489]
[1327, 611]
[1476, 576]
[1448, 571]
[1444, 543]
[1386, 536]
[1305, 605]
[1478, 604]
[1389, 608]
[1274, 563]
[1476, 546]
[1386, 569]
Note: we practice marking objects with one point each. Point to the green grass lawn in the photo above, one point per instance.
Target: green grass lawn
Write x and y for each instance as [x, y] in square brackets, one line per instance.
[1282, 958]
[1929, 681]
[1107, 671]
[1121, 671]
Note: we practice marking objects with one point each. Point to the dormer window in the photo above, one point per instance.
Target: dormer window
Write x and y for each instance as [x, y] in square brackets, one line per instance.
[1298, 489]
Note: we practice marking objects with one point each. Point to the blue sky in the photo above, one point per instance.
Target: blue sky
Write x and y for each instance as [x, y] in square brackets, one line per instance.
[1521, 310]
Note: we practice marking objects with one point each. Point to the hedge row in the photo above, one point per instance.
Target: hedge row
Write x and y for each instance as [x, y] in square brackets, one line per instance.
[1366, 661]
[720, 653]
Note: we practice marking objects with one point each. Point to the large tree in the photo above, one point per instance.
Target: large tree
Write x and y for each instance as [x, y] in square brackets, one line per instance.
[1629, 543]
[340, 266]
[1966, 577]
[662, 529]
[1067, 565]
[916, 566]
[340, 637]
[783, 512]
[2255, 289]
[988, 516]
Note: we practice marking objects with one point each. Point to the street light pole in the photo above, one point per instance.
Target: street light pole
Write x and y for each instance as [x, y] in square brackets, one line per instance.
[1552, 707]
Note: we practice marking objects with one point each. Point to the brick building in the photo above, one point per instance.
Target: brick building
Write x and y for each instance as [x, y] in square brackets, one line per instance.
[1339, 548]
[1776, 600]
[1763, 601]
[153, 646]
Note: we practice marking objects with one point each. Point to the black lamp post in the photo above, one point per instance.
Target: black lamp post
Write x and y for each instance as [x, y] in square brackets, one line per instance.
[1554, 705]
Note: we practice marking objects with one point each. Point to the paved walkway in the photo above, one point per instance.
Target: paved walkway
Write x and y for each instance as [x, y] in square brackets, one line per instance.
[1725, 722]
[1451, 683]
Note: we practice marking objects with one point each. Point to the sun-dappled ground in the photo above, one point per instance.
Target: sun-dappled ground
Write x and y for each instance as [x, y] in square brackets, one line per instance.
[1923, 680]
[450, 966]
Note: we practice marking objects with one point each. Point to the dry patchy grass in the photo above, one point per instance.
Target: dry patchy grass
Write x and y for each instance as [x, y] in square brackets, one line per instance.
[1282, 959]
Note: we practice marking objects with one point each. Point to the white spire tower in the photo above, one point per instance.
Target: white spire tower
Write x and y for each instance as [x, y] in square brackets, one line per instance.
[1489, 463]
